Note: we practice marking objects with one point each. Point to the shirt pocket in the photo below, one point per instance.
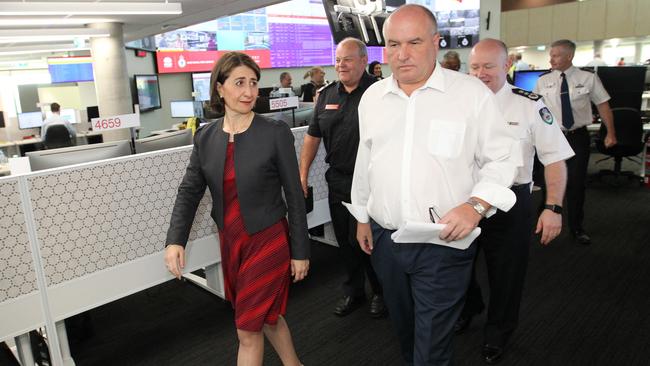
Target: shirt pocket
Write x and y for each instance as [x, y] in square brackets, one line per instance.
[580, 96]
[446, 138]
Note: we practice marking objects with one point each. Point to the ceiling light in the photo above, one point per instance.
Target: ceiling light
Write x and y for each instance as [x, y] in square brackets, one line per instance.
[64, 47]
[88, 8]
[26, 22]
[45, 35]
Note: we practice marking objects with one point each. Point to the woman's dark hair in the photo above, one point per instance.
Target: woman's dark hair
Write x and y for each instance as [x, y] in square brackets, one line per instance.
[221, 71]
[371, 67]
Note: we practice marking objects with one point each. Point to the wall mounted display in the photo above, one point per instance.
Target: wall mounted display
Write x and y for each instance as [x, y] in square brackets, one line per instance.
[70, 69]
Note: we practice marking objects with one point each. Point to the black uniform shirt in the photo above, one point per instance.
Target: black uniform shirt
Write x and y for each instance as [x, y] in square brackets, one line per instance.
[336, 121]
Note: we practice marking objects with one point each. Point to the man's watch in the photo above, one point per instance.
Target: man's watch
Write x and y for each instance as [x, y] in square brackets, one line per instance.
[555, 208]
[477, 206]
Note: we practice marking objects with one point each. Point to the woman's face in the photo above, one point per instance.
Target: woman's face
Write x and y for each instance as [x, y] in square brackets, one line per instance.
[239, 91]
[377, 70]
[318, 77]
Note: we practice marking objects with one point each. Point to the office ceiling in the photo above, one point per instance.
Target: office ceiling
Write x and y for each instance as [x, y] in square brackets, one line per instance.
[135, 26]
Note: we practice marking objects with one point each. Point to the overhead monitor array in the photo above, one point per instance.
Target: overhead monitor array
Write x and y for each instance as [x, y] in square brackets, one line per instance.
[298, 33]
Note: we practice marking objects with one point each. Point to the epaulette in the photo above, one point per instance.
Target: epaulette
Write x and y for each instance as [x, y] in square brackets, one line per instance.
[326, 86]
[545, 72]
[588, 69]
[527, 94]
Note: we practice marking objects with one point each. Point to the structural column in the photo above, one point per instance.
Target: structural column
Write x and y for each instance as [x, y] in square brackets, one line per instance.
[111, 76]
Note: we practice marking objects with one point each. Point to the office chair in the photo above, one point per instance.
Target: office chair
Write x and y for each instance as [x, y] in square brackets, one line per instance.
[57, 136]
[630, 141]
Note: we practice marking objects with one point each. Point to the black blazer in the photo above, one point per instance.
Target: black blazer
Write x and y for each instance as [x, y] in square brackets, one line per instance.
[265, 165]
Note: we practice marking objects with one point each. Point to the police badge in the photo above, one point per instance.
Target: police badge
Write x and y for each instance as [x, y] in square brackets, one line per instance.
[546, 115]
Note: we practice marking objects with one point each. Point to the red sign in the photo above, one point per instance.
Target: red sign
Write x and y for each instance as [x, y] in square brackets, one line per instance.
[202, 61]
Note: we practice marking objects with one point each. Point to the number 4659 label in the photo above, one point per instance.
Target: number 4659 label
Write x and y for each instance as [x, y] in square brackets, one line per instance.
[115, 122]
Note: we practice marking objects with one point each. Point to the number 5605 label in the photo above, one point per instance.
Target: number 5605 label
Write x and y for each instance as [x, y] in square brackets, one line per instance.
[115, 122]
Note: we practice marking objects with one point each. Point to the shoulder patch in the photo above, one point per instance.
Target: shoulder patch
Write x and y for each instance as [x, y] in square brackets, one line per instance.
[546, 115]
[527, 94]
[588, 69]
[326, 86]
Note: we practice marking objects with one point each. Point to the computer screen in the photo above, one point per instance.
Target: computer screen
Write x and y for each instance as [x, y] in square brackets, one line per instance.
[527, 79]
[30, 120]
[2, 119]
[147, 92]
[93, 112]
[201, 86]
[47, 159]
[164, 141]
[288, 34]
[70, 69]
[182, 108]
[68, 114]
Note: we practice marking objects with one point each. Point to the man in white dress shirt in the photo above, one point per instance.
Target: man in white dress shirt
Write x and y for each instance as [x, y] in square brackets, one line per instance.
[56, 119]
[568, 92]
[505, 236]
[432, 142]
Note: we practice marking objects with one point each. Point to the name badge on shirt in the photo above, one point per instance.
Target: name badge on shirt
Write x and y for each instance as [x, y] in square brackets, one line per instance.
[331, 107]
[579, 86]
[513, 123]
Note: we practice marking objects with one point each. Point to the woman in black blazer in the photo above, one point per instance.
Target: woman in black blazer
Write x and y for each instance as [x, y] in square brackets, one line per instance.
[247, 161]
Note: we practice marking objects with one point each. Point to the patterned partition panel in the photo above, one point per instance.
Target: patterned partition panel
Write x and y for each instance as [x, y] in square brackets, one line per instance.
[94, 217]
[17, 275]
[318, 166]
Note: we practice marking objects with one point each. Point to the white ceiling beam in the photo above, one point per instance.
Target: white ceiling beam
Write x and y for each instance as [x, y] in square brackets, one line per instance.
[88, 8]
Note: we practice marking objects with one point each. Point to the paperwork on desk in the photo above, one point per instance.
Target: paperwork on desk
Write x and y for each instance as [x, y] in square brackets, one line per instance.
[422, 232]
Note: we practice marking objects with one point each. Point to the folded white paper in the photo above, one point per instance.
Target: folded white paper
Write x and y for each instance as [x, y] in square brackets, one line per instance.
[422, 232]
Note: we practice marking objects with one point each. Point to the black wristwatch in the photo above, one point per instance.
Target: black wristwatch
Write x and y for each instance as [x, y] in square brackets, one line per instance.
[555, 208]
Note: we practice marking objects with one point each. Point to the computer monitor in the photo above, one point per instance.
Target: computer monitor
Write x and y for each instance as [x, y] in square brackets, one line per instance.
[164, 141]
[526, 79]
[47, 159]
[2, 119]
[68, 114]
[93, 112]
[264, 92]
[182, 108]
[30, 120]
[201, 86]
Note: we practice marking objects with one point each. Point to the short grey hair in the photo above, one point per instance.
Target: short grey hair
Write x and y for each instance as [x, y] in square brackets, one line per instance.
[567, 44]
[284, 75]
[363, 50]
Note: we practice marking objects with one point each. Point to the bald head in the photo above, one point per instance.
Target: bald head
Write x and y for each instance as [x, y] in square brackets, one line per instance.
[489, 61]
[407, 12]
[411, 45]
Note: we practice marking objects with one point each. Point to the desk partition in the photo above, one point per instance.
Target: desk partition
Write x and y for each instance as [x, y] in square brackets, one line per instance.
[77, 237]
[21, 308]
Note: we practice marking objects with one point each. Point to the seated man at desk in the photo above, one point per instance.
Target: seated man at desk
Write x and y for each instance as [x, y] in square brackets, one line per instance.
[56, 119]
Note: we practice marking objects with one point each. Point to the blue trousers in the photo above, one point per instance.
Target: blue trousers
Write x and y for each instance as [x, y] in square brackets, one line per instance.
[423, 285]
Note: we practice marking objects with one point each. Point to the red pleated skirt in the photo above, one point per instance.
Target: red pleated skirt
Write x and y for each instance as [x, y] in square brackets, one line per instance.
[256, 268]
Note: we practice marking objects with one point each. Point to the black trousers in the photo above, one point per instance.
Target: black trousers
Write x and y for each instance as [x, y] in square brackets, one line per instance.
[577, 177]
[504, 239]
[356, 262]
[423, 286]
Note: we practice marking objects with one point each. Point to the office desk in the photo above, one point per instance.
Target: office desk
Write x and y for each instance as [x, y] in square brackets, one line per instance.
[20, 147]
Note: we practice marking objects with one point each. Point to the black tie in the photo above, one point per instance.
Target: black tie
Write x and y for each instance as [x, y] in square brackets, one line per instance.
[567, 114]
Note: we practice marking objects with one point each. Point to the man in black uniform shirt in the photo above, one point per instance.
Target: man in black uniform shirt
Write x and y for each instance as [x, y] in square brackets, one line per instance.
[336, 120]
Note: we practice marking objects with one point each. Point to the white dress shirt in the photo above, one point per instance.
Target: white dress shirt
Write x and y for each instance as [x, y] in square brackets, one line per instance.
[437, 148]
[536, 128]
[584, 87]
[56, 119]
